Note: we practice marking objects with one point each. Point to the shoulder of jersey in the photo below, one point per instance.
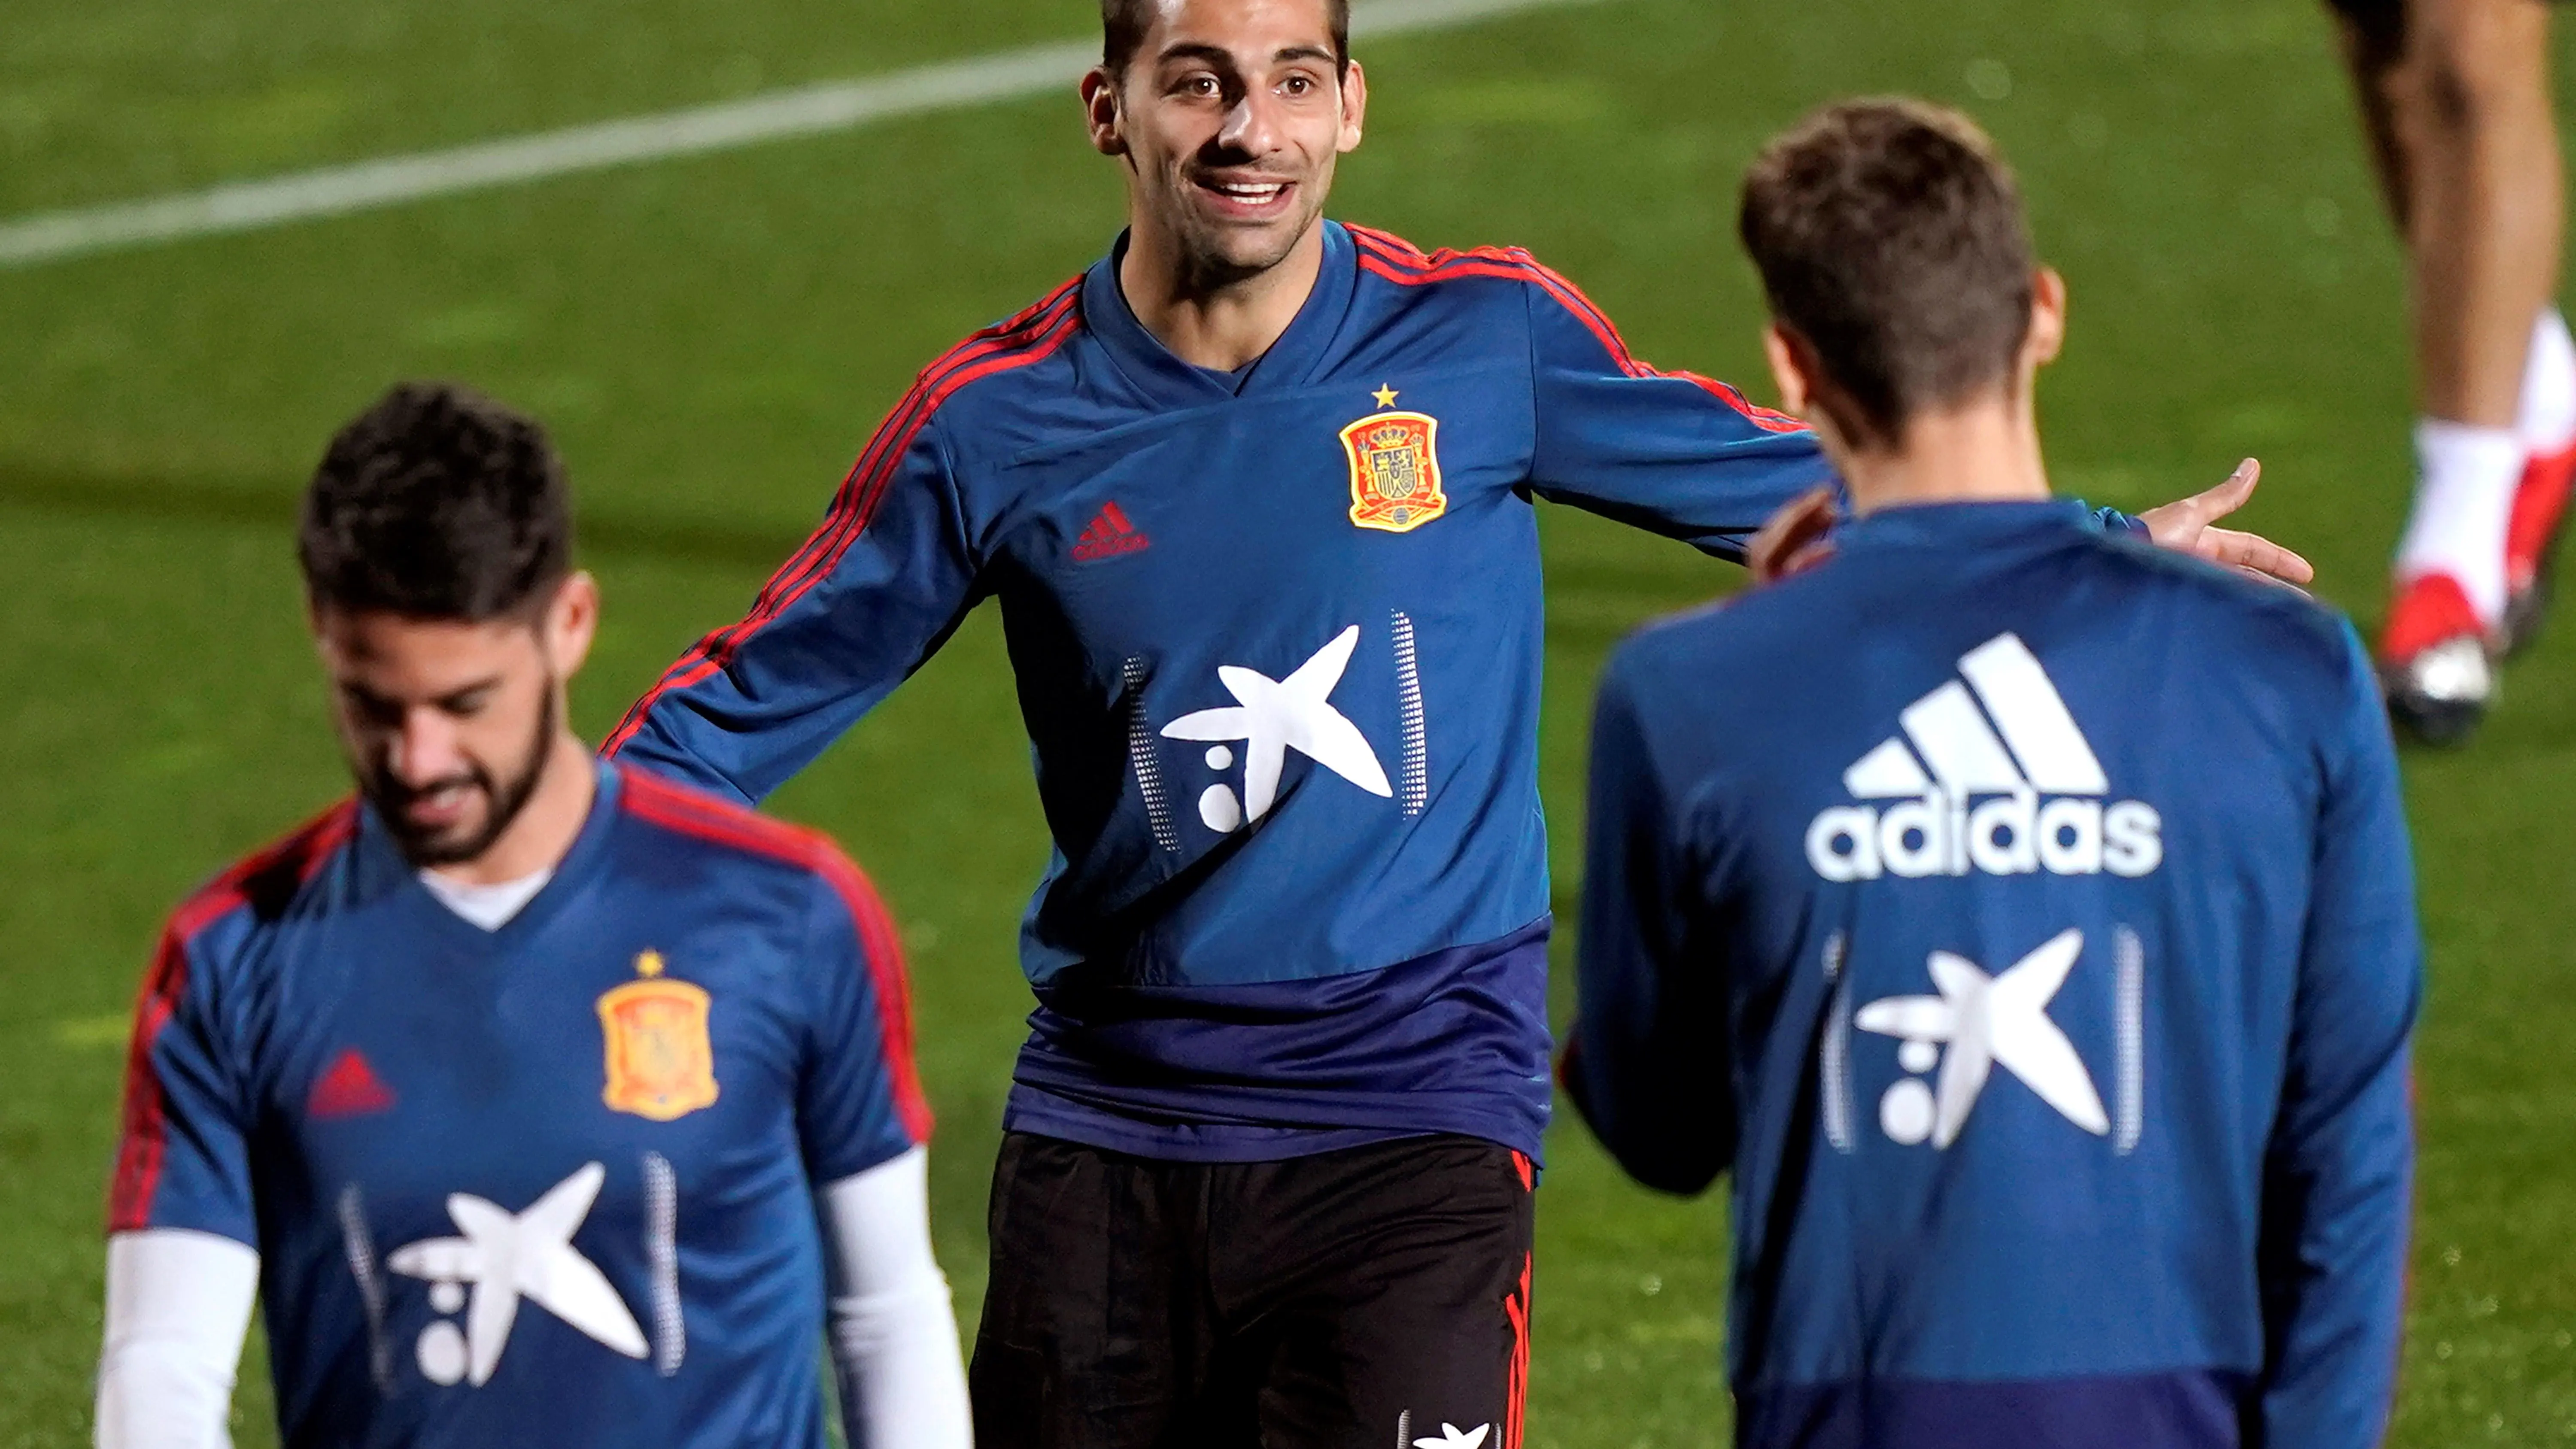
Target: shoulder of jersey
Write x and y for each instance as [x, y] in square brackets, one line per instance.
[2273, 621]
[718, 824]
[269, 880]
[1786, 619]
[1390, 258]
[1012, 345]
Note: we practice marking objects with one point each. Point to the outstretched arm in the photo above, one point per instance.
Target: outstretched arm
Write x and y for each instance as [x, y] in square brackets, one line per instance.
[872, 594]
[1674, 453]
[1799, 534]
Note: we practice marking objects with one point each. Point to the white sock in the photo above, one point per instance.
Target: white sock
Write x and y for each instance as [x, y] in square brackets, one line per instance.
[2546, 418]
[2463, 507]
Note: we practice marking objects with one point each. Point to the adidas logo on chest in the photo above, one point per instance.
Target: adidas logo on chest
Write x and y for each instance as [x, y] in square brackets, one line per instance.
[1988, 775]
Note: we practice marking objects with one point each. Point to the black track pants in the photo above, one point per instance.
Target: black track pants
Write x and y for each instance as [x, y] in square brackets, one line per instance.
[1373, 1297]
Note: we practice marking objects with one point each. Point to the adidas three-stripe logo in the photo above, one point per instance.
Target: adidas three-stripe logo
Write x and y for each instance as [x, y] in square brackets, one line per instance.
[1990, 775]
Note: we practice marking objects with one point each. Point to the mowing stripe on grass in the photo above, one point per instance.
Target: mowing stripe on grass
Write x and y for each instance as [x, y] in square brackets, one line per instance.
[776, 116]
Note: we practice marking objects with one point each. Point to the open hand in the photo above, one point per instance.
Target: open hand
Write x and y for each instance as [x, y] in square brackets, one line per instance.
[2186, 527]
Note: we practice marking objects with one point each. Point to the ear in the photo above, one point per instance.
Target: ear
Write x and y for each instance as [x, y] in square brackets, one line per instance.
[2047, 319]
[1100, 111]
[1354, 107]
[571, 622]
[1792, 370]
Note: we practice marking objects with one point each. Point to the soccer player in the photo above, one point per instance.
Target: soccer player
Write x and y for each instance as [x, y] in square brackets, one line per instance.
[1254, 495]
[537, 1100]
[2455, 99]
[2022, 916]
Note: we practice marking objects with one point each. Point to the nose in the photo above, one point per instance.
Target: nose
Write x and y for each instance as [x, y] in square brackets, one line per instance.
[424, 751]
[1252, 127]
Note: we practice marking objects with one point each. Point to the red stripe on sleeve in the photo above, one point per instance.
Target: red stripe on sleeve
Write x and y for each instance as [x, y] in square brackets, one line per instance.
[1030, 337]
[883, 948]
[1397, 260]
[143, 1142]
[145, 1138]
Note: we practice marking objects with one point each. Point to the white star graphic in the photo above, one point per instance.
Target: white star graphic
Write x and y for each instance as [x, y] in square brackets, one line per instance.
[1990, 1019]
[1452, 1438]
[506, 1257]
[1273, 716]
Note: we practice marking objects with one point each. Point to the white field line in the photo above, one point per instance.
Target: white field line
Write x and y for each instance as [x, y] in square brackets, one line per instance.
[776, 116]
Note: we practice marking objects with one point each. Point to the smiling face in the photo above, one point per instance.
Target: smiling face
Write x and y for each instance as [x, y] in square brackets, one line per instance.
[1230, 116]
[449, 725]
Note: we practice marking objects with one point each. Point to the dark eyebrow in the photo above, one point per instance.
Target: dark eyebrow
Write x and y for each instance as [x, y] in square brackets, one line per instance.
[1214, 55]
[455, 696]
[1219, 56]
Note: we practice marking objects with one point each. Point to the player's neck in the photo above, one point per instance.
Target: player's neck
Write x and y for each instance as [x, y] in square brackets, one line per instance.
[1985, 452]
[1221, 327]
[547, 825]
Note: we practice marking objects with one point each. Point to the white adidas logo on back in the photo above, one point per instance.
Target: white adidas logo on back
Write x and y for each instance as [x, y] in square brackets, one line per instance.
[2012, 788]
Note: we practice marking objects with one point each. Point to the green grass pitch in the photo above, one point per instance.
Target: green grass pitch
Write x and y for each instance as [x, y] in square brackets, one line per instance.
[712, 339]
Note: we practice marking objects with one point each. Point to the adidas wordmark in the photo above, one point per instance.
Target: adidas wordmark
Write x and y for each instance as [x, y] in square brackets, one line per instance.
[2012, 788]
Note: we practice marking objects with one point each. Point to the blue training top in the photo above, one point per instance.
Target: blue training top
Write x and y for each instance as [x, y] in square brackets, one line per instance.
[1277, 643]
[2025, 917]
[548, 1186]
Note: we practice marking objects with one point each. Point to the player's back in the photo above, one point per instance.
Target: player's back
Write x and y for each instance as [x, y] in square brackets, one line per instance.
[2031, 871]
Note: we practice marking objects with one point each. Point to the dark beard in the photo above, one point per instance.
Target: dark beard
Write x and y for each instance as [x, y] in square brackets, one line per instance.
[505, 800]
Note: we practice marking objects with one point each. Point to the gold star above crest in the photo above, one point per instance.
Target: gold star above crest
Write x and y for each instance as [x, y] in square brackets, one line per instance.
[648, 964]
[1385, 396]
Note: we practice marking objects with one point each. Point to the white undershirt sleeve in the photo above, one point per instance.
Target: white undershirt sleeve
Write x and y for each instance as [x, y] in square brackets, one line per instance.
[894, 1329]
[178, 1304]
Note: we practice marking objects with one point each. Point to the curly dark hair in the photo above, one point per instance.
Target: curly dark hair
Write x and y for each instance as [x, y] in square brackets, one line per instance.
[436, 503]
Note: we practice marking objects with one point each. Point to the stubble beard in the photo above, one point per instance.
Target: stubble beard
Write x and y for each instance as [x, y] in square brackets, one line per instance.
[1208, 264]
[504, 800]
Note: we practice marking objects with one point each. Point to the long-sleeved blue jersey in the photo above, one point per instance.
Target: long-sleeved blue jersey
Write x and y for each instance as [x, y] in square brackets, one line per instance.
[1277, 641]
[2025, 917]
[547, 1185]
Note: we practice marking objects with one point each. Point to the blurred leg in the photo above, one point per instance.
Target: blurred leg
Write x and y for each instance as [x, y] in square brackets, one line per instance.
[2455, 101]
[2482, 224]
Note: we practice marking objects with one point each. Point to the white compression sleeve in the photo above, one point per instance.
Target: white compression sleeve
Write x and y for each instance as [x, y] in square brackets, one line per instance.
[894, 1329]
[178, 1304]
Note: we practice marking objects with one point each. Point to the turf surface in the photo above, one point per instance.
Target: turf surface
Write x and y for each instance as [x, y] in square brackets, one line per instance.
[712, 339]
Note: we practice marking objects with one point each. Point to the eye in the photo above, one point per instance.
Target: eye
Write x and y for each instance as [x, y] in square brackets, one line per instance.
[1299, 85]
[466, 705]
[369, 709]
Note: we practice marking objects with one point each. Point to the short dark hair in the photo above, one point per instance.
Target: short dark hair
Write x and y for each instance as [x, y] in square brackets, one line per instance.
[1891, 237]
[1123, 24]
[436, 503]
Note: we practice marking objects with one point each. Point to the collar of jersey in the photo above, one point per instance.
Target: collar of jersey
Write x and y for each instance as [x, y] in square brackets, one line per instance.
[1170, 382]
[382, 858]
[1962, 525]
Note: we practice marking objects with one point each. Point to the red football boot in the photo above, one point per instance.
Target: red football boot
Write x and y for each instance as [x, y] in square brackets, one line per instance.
[2539, 516]
[2435, 662]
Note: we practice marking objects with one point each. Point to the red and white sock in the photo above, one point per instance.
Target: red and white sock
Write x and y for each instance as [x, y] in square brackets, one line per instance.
[2546, 418]
[2546, 421]
[2463, 510]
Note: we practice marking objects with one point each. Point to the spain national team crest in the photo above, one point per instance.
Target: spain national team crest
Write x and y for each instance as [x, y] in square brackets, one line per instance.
[660, 1064]
[1395, 471]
